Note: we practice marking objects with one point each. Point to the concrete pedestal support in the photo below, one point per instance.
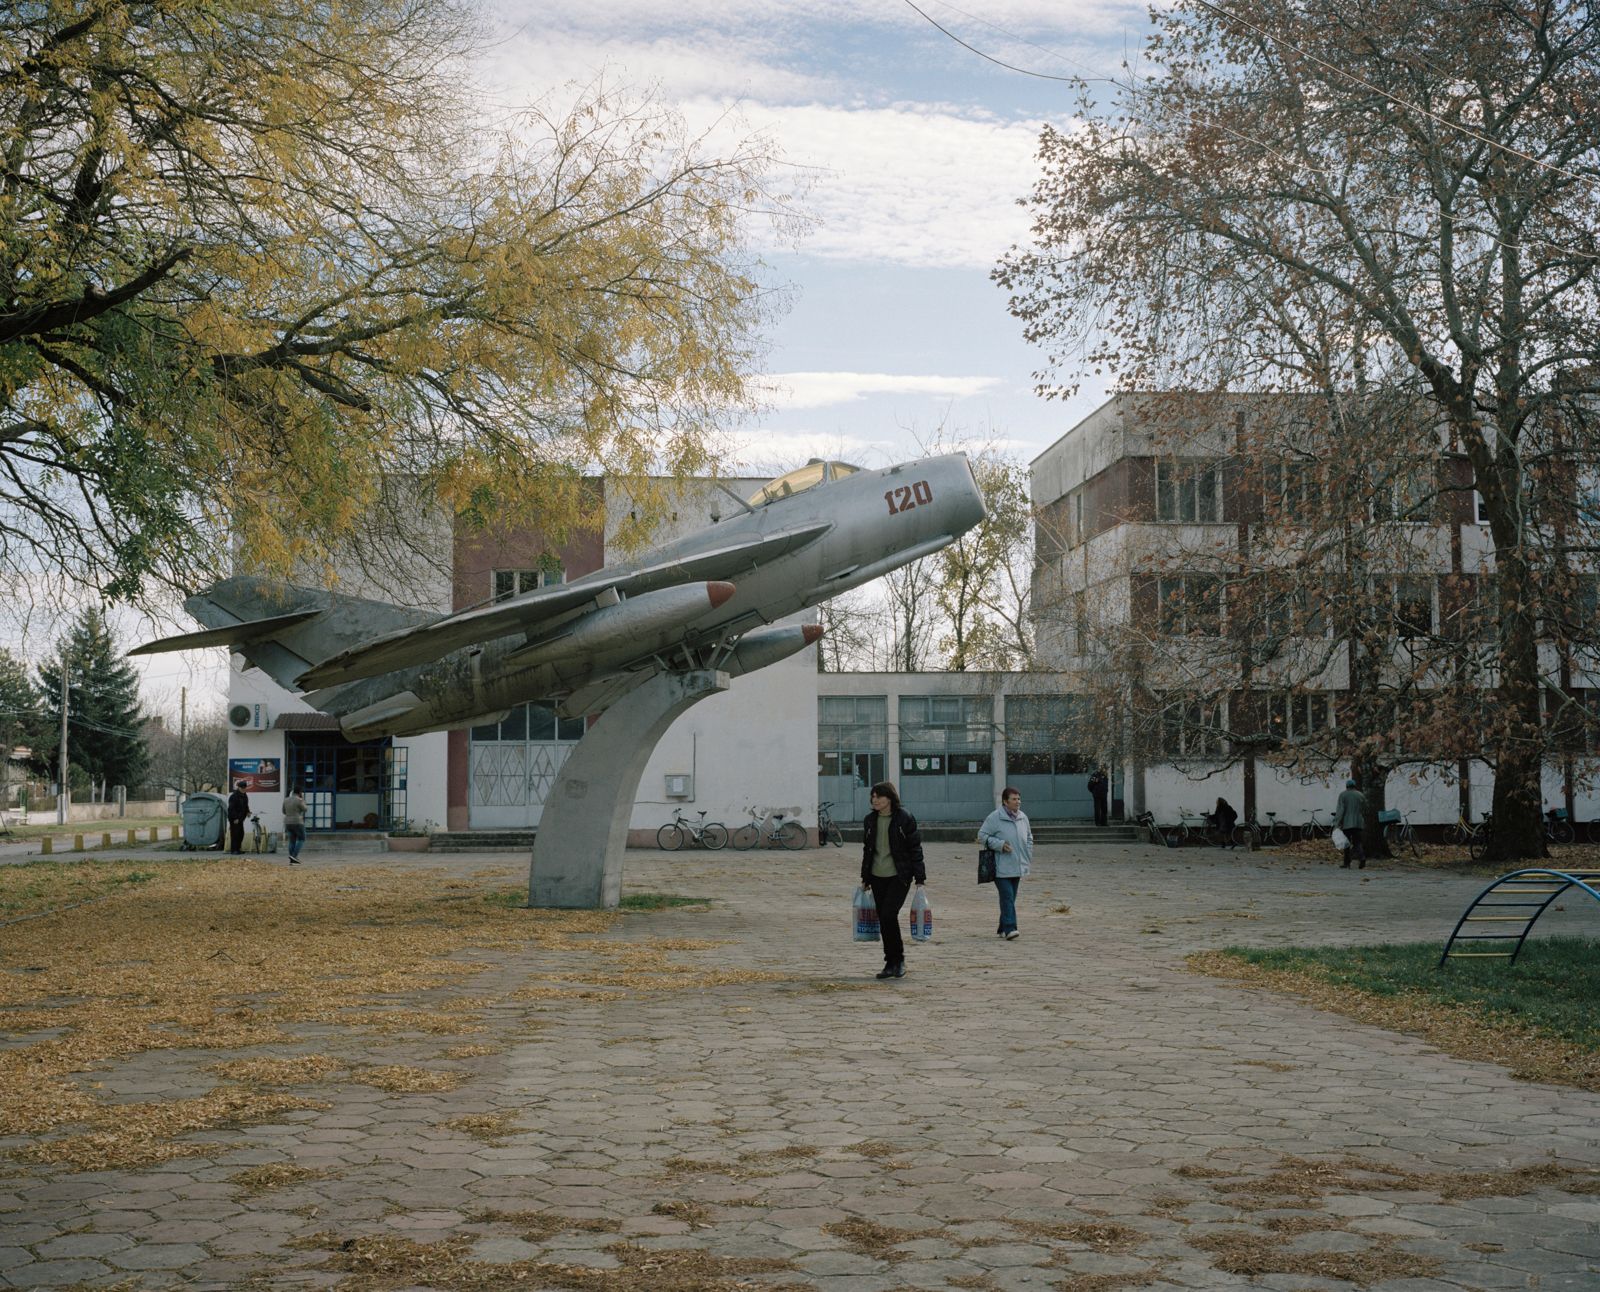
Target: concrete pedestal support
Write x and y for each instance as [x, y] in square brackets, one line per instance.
[577, 852]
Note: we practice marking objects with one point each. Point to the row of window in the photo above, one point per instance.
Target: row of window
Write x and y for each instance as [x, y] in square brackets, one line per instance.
[1191, 605]
[1293, 492]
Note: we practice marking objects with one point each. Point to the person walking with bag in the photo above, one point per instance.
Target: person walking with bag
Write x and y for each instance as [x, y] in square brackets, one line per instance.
[1007, 833]
[891, 861]
[294, 823]
[1350, 815]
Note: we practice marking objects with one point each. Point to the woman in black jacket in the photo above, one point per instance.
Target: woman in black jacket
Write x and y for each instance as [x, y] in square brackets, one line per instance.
[891, 859]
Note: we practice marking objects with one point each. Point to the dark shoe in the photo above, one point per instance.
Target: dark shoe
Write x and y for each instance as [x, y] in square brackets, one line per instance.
[1012, 935]
[1345, 866]
[887, 971]
[294, 861]
[899, 971]
[1363, 864]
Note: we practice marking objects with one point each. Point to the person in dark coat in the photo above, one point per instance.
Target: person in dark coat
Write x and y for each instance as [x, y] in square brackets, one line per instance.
[1099, 791]
[1224, 817]
[891, 861]
[238, 814]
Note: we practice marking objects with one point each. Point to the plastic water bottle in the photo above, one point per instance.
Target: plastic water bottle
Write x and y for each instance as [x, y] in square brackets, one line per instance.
[920, 918]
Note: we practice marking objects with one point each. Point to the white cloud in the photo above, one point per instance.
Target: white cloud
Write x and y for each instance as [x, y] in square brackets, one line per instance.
[796, 390]
[908, 185]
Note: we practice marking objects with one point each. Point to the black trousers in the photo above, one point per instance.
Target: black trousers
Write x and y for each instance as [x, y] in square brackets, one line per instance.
[1100, 814]
[889, 895]
[235, 836]
[1357, 850]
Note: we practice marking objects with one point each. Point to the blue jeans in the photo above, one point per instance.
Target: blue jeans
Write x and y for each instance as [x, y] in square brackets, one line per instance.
[297, 838]
[1007, 889]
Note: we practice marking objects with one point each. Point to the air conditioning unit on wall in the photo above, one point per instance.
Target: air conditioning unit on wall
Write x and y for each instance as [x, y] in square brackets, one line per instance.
[248, 717]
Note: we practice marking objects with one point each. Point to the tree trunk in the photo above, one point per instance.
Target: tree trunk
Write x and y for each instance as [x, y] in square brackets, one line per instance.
[1517, 744]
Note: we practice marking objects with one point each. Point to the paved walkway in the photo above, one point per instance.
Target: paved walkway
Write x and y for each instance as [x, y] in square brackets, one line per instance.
[1070, 1110]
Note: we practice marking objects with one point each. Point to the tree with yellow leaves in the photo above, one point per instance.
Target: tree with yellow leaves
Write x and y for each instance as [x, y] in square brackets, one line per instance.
[261, 256]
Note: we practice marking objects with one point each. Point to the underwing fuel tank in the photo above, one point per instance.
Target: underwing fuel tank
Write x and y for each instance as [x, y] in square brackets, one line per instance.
[767, 646]
[649, 621]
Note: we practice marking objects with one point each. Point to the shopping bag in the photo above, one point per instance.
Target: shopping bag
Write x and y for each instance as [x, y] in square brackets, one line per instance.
[1341, 840]
[986, 866]
[864, 913]
[920, 917]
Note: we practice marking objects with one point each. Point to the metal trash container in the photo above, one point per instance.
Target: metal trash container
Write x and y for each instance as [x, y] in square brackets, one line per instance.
[205, 821]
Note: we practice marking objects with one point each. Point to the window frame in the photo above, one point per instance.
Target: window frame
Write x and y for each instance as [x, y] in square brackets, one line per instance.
[1175, 475]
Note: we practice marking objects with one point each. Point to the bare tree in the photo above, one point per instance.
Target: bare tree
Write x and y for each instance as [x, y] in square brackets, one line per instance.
[1405, 191]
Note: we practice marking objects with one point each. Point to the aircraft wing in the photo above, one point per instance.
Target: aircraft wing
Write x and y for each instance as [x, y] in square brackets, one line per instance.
[408, 647]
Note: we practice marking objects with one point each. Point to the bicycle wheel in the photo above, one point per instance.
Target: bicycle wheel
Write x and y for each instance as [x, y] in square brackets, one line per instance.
[1562, 832]
[835, 835]
[745, 837]
[1478, 844]
[791, 834]
[1280, 833]
[714, 836]
[1242, 835]
[670, 837]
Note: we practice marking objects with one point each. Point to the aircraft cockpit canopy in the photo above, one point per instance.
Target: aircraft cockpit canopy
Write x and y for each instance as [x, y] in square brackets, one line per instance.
[814, 472]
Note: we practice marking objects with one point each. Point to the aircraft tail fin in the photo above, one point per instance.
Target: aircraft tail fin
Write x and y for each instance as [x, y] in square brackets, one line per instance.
[284, 629]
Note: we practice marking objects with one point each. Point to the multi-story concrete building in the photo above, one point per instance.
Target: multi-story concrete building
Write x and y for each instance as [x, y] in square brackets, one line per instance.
[1160, 516]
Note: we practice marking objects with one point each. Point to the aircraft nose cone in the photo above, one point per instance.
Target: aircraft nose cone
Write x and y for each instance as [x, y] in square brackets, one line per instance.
[718, 592]
[811, 632]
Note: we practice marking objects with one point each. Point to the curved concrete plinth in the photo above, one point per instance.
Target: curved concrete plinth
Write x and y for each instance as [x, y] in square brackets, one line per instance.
[577, 853]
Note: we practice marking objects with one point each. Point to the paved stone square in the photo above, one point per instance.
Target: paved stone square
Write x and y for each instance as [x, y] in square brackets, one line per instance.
[1074, 1109]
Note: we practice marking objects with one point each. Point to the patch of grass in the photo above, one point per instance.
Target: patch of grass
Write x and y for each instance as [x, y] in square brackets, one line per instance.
[257, 1180]
[659, 901]
[34, 887]
[867, 1238]
[1537, 1017]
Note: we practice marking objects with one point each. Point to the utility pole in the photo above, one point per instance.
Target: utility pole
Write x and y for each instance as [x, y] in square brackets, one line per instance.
[183, 744]
[64, 793]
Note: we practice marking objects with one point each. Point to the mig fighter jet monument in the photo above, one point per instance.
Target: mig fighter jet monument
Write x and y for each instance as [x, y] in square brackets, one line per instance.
[637, 643]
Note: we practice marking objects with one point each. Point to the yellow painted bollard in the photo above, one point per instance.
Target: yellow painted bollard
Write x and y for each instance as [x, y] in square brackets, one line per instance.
[105, 838]
[47, 845]
[133, 836]
[155, 833]
[77, 843]
[174, 832]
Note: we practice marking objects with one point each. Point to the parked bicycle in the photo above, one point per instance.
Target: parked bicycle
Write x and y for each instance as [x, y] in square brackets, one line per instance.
[1148, 821]
[772, 830]
[1317, 827]
[1273, 831]
[260, 836]
[1204, 826]
[1482, 834]
[700, 834]
[1557, 829]
[827, 831]
[1398, 832]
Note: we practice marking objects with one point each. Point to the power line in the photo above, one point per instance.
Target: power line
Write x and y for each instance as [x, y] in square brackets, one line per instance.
[1010, 67]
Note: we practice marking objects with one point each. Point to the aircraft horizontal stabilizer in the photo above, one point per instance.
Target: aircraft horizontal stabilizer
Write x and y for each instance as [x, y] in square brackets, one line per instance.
[240, 634]
[533, 611]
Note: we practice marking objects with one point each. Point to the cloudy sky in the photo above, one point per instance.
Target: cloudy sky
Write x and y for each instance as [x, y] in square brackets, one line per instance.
[916, 150]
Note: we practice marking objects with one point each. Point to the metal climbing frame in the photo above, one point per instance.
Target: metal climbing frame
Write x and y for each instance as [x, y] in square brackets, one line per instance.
[1517, 898]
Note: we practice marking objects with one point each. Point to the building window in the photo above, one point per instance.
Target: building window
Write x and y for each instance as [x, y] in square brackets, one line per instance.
[1188, 491]
[530, 722]
[1410, 604]
[853, 737]
[1192, 729]
[1407, 495]
[1295, 718]
[513, 583]
[1480, 515]
[1190, 605]
[1293, 612]
[1045, 735]
[1292, 491]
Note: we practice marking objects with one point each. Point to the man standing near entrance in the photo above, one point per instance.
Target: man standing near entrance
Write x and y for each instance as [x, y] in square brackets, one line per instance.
[1099, 791]
[238, 813]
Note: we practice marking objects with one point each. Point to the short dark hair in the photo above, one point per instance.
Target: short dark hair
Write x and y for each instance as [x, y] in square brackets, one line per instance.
[238, 785]
[886, 790]
[1008, 792]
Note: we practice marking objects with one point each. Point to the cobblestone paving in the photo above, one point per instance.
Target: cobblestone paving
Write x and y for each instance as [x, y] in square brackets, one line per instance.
[1073, 1110]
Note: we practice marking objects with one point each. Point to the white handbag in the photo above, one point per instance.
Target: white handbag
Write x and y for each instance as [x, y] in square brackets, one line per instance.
[1341, 840]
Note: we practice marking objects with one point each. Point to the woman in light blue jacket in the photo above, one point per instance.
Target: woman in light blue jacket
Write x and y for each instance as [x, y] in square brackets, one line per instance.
[1007, 831]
